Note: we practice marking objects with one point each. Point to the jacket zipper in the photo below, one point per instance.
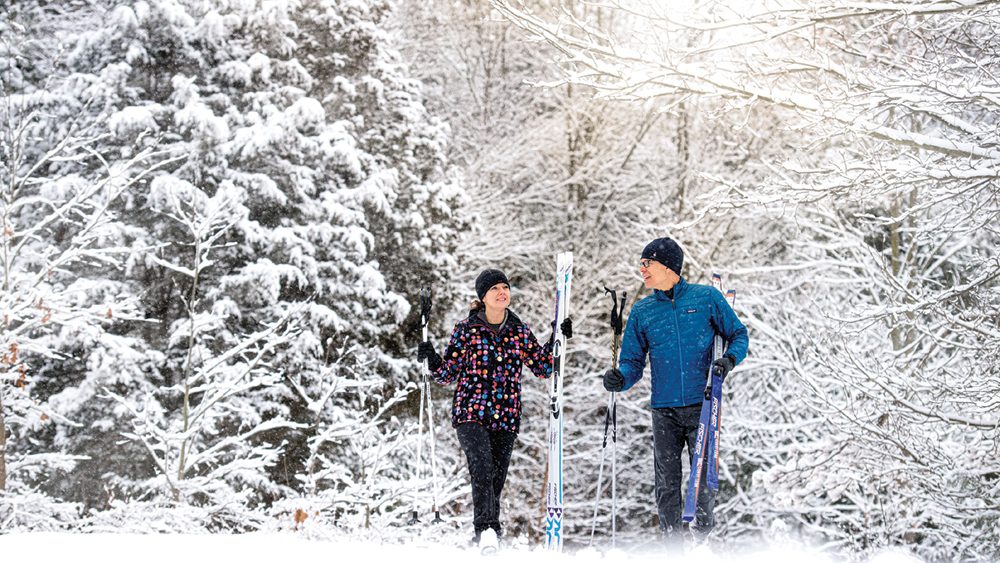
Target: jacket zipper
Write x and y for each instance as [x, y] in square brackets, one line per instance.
[680, 359]
[494, 366]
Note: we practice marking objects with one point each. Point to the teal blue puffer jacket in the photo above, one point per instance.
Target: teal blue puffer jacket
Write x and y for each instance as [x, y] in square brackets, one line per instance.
[676, 334]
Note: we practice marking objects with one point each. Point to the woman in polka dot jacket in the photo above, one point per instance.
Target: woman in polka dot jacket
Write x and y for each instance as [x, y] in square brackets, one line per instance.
[485, 357]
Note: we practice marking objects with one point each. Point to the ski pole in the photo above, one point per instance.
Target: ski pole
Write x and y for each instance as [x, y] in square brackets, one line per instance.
[414, 518]
[425, 313]
[616, 325]
[712, 476]
[600, 467]
[424, 390]
[611, 421]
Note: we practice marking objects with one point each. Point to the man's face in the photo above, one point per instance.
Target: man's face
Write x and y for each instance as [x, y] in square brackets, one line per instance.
[656, 275]
[498, 296]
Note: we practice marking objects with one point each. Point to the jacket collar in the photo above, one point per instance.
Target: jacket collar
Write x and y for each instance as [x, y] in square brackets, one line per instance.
[679, 291]
[511, 321]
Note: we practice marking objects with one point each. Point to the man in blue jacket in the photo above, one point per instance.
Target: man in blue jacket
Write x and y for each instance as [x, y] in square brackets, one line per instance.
[674, 328]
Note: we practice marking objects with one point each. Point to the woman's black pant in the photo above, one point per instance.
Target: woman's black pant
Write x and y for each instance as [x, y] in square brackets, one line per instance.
[488, 453]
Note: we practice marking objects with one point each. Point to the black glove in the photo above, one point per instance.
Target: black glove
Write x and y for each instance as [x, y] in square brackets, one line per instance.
[614, 381]
[425, 351]
[723, 366]
[567, 327]
[567, 331]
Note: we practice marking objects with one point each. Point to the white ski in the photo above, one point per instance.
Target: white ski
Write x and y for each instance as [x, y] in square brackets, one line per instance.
[554, 485]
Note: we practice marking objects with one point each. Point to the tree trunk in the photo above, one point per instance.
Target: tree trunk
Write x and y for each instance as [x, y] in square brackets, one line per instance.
[3, 447]
[683, 156]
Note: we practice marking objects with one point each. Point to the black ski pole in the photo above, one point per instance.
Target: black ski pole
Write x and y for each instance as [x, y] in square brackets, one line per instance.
[611, 419]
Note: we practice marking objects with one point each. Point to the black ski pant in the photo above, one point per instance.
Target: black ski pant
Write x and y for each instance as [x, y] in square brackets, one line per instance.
[488, 453]
[672, 429]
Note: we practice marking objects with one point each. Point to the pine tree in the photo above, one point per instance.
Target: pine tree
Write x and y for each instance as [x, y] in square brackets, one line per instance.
[338, 209]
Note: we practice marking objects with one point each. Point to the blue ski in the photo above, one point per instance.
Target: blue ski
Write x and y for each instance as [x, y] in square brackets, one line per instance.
[706, 447]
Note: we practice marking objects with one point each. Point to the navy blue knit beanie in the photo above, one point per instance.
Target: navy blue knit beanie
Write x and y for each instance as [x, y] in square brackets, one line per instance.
[487, 279]
[667, 252]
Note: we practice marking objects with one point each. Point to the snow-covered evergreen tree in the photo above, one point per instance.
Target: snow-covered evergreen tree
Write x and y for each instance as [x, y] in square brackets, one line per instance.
[339, 207]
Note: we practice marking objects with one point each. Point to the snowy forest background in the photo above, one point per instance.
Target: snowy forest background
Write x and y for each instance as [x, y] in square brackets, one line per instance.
[218, 216]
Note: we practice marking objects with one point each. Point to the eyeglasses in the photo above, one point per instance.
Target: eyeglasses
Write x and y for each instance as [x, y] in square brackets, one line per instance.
[644, 263]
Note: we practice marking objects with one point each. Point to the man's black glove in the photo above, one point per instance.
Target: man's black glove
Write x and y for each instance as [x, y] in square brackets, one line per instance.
[723, 366]
[614, 381]
[425, 351]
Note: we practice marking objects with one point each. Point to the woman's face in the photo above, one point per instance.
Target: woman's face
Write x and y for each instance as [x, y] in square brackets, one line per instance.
[498, 296]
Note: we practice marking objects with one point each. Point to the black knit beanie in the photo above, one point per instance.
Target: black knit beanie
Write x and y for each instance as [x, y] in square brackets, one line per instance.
[487, 279]
[667, 252]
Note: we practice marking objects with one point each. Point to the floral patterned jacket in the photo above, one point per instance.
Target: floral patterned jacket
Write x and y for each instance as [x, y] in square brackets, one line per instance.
[487, 366]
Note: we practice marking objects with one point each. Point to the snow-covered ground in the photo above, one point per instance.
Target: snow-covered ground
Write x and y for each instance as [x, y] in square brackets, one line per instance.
[271, 547]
